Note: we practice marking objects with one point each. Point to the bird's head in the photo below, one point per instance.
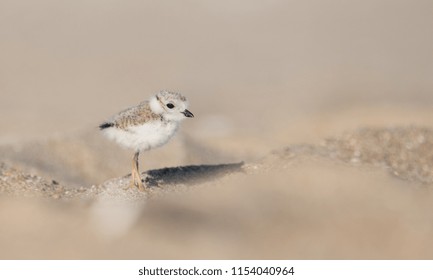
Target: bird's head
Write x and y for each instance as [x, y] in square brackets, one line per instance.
[171, 105]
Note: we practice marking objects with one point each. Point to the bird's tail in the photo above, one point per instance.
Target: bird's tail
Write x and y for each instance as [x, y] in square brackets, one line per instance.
[105, 125]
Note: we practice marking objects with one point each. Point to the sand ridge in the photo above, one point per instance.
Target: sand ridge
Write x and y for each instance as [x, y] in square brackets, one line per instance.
[370, 186]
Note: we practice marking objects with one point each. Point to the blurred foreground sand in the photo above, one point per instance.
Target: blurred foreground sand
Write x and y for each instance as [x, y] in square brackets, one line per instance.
[312, 139]
[366, 194]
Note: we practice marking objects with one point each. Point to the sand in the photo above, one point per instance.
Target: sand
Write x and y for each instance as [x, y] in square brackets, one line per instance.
[312, 136]
[364, 195]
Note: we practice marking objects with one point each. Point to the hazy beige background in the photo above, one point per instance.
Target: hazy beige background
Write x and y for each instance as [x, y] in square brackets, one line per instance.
[66, 65]
[260, 76]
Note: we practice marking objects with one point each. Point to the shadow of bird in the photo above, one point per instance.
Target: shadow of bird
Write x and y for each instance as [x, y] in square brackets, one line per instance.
[190, 174]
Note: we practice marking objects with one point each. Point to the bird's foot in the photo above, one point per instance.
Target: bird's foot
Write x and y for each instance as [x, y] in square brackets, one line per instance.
[139, 184]
[136, 183]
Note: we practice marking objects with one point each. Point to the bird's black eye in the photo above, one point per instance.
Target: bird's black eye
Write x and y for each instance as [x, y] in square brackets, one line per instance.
[169, 105]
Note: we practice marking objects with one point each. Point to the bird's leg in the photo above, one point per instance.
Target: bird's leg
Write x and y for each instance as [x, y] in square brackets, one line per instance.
[132, 183]
[133, 174]
[136, 177]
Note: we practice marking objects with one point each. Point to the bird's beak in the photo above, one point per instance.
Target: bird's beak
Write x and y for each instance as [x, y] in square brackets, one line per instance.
[188, 114]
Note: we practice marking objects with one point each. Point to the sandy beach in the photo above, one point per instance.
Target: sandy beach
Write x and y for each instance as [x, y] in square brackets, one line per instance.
[312, 136]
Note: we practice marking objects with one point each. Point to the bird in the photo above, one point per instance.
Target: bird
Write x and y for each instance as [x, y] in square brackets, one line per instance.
[148, 125]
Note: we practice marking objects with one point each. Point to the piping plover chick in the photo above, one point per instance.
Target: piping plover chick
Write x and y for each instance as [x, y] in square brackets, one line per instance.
[146, 126]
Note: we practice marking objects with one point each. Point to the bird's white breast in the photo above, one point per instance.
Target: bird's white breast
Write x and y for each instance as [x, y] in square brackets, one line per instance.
[145, 136]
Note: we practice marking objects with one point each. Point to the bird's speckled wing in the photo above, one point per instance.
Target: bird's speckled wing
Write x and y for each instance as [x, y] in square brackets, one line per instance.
[132, 116]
